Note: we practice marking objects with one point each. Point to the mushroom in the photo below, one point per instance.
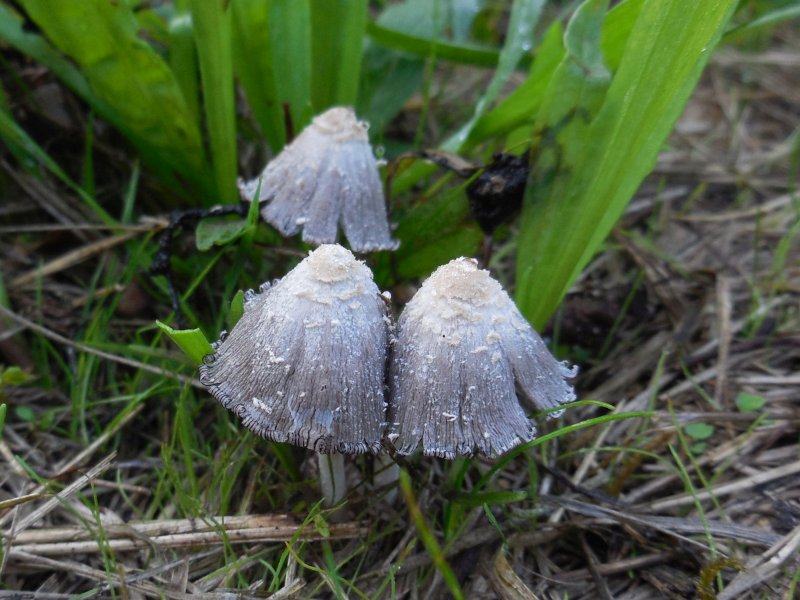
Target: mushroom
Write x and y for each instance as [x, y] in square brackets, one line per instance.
[464, 360]
[326, 177]
[305, 364]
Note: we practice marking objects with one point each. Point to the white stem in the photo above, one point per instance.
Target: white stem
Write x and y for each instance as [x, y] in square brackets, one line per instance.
[387, 472]
[332, 479]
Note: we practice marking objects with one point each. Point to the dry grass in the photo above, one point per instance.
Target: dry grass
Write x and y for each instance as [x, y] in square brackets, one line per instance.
[691, 315]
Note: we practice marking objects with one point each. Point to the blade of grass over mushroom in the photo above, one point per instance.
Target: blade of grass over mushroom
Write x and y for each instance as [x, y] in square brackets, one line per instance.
[131, 85]
[577, 193]
[253, 62]
[192, 341]
[290, 36]
[211, 21]
[427, 537]
[338, 37]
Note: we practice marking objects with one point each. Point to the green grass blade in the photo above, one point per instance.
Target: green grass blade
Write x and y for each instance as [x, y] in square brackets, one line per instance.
[290, 40]
[428, 538]
[589, 180]
[192, 341]
[16, 137]
[519, 42]
[521, 105]
[212, 33]
[253, 63]
[501, 463]
[134, 86]
[337, 42]
[768, 19]
[35, 46]
[424, 47]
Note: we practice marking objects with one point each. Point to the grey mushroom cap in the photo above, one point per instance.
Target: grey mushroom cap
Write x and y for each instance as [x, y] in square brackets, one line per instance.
[306, 362]
[464, 361]
[326, 178]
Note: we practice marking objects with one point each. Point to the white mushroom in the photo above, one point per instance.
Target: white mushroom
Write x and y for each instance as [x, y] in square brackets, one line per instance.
[305, 363]
[463, 361]
[326, 177]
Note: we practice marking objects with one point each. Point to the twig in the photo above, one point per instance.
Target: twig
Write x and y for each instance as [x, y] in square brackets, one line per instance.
[44, 509]
[745, 483]
[183, 533]
[71, 258]
[772, 559]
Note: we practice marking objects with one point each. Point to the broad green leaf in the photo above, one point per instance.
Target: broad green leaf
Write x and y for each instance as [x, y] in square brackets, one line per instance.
[388, 80]
[699, 431]
[337, 43]
[567, 215]
[14, 376]
[749, 402]
[432, 233]
[617, 29]
[25, 413]
[218, 231]
[35, 46]
[192, 341]
[423, 259]
[290, 43]
[582, 38]
[211, 21]
[129, 84]
[253, 62]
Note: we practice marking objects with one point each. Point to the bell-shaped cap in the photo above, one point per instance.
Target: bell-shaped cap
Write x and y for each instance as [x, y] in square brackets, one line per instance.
[326, 177]
[306, 362]
[464, 360]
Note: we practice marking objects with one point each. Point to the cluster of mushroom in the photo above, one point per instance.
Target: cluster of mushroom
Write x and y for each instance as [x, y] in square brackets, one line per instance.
[316, 359]
[307, 363]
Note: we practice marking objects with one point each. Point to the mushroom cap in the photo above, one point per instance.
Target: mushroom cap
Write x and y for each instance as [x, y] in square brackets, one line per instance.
[305, 364]
[326, 178]
[464, 360]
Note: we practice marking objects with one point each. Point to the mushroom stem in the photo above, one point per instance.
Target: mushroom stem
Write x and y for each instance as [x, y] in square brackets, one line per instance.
[387, 473]
[332, 479]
